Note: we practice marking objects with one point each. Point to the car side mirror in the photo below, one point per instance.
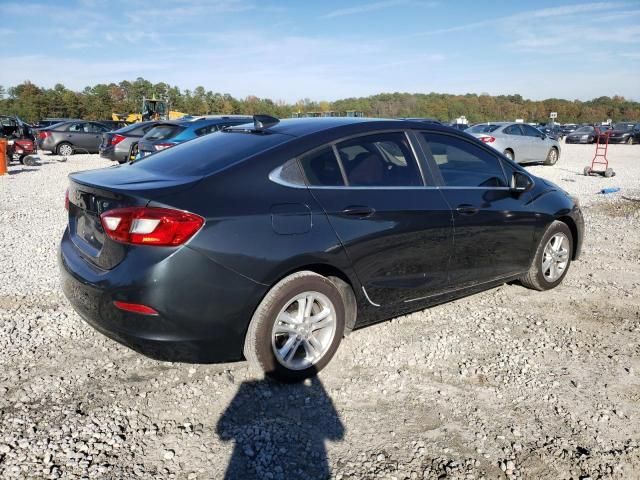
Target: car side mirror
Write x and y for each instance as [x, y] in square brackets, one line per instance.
[520, 182]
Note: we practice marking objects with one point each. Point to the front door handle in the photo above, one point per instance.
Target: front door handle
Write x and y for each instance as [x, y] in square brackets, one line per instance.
[466, 209]
[358, 211]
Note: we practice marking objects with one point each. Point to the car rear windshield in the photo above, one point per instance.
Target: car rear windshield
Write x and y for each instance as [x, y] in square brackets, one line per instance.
[209, 154]
[623, 126]
[134, 129]
[484, 128]
[163, 132]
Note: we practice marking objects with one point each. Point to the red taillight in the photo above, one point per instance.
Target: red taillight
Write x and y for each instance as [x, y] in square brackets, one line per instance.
[135, 308]
[162, 146]
[66, 200]
[488, 139]
[150, 226]
[116, 139]
[43, 135]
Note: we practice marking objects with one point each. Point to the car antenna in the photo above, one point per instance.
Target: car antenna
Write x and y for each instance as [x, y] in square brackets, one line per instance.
[262, 122]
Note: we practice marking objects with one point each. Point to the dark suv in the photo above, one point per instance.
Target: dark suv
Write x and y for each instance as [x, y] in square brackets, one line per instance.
[271, 241]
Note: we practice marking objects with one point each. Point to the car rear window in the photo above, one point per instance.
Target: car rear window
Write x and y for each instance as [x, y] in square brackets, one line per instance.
[135, 129]
[484, 128]
[163, 132]
[210, 153]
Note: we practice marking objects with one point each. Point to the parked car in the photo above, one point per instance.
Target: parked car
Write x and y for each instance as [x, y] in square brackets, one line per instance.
[19, 136]
[553, 131]
[585, 134]
[518, 141]
[273, 240]
[625, 132]
[122, 145]
[67, 138]
[568, 128]
[168, 134]
[48, 122]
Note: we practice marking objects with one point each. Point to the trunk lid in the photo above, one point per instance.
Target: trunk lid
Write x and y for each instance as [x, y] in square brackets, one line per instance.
[94, 192]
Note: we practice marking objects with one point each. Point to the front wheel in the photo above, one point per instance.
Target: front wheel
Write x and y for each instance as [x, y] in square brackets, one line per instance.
[552, 260]
[297, 328]
[552, 157]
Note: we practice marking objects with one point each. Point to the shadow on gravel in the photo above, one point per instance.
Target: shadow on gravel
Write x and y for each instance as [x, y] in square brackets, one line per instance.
[280, 431]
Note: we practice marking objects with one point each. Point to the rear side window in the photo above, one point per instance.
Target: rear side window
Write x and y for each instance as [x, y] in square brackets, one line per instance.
[321, 168]
[380, 160]
[208, 129]
[463, 164]
[163, 132]
[513, 130]
[529, 131]
[209, 154]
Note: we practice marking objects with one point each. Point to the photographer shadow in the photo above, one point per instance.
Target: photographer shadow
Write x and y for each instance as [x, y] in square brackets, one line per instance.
[279, 430]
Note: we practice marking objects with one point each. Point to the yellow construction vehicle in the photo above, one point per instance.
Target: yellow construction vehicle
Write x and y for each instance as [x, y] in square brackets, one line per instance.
[152, 109]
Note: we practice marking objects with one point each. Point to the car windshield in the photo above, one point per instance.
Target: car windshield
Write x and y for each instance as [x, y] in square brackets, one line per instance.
[623, 126]
[584, 130]
[209, 154]
[163, 132]
[483, 128]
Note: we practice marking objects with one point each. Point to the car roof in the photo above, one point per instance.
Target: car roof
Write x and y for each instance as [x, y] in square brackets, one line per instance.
[298, 127]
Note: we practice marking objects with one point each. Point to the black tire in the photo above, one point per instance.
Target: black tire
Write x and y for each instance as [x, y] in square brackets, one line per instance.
[509, 154]
[258, 348]
[22, 159]
[552, 157]
[62, 149]
[535, 278]
[587, 171]
[630, 141]
[609, 173]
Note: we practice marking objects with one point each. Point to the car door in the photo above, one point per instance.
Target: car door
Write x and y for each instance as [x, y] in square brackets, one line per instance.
[536, 143]
[493, 227]
[518, 142]
[78, 135]
[397, 233]
[95, 136]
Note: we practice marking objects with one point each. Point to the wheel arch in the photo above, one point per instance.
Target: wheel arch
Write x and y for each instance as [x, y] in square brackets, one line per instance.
[347, 286]
[574, 233]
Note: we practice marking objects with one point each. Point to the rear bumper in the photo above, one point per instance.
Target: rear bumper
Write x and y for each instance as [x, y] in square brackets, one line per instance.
[113, 154]
[204, 309]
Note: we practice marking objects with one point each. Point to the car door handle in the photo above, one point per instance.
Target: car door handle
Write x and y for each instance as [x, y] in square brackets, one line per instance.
[358, 211]
[466, 209]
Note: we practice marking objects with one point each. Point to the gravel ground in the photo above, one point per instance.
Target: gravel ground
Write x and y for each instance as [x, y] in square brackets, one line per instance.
[508, 383]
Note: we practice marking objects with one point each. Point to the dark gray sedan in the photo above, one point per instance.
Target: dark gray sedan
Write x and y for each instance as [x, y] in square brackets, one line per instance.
[67, 138]
[122, 145]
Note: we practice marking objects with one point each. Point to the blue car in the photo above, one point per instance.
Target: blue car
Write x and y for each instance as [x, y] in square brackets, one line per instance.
[168, 134]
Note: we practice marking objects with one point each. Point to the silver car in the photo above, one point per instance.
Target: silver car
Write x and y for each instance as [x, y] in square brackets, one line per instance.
[518, 141]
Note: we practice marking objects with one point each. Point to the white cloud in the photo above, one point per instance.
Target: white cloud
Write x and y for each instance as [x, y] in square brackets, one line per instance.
[371, 7]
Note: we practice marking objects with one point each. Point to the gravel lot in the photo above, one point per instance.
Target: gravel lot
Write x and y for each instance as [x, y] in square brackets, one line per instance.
[509, 383]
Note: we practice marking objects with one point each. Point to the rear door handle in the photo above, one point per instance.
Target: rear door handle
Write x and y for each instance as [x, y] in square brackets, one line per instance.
[466, 209]
[358, 211]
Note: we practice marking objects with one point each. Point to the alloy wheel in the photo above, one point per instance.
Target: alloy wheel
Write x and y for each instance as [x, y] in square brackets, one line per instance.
[555, 257]
[304, 330]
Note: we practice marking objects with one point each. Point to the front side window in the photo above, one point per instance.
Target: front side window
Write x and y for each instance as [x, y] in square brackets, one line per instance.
[380, 160]
[321, 168]
[463, 164]
[79, 128]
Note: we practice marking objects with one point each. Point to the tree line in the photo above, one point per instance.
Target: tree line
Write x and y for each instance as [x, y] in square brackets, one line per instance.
[31, 103]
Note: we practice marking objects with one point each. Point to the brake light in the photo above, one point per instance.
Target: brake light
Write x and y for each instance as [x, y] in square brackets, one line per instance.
[43, 135]
[150, 226]
[116, 139]
[162, 146]
[66, 200]
[488, 139]
[135, 308]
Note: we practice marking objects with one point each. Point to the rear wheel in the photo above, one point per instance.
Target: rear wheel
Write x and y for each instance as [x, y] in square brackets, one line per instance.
[65, 149]
[297, 328]
[552, 260]
[509, 154]
[552, 157]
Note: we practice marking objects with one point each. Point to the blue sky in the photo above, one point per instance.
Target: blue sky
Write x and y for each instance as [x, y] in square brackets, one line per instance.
[329, 49]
